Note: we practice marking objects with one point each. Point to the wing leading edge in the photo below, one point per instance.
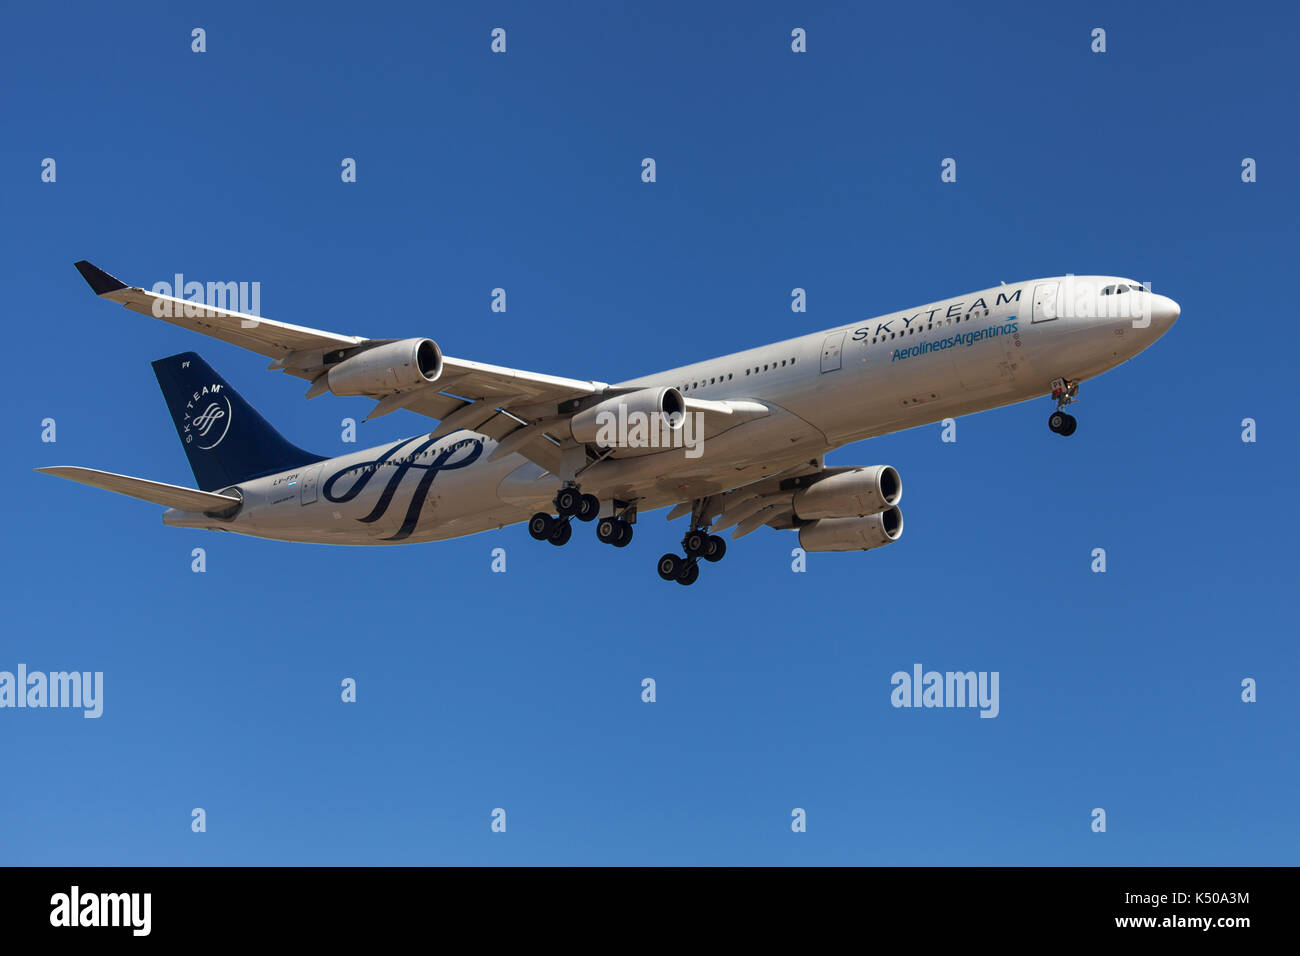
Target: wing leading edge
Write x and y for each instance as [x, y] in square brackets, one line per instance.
[490, 399]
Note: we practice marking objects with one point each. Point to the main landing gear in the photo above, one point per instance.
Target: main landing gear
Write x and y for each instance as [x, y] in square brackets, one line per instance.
[614, 530]
[698, 545]
[571, 503]
[1065, 392]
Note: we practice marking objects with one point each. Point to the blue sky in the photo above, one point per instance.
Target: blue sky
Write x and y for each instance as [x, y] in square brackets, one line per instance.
[775, 170]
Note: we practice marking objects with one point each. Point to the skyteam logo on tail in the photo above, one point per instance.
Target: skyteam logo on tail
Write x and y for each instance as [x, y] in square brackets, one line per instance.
[207, 417]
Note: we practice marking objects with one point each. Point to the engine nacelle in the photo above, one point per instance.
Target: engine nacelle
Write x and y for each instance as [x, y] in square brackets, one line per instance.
[661, 409]
[387, 368]
[852, 534]
[862, 491]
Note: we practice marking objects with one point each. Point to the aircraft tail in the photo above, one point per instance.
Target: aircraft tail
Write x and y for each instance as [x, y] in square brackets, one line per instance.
[225, 439]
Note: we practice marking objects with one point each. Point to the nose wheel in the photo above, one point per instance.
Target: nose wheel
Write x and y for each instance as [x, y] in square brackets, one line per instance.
[1065, 392]
[1062, 423]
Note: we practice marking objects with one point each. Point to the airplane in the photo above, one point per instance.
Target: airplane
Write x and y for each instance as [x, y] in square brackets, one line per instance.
[736, 442]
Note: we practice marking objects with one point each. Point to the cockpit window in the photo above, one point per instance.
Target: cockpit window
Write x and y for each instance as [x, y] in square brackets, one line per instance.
[1108, 290]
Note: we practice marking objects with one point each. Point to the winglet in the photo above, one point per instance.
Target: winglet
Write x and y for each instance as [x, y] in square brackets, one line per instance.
[101, 283]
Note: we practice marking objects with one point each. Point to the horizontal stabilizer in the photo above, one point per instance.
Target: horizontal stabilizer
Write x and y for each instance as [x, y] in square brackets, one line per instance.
[169, 496]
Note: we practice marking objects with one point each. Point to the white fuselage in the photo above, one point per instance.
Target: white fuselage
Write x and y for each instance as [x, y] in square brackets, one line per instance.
[822, 391]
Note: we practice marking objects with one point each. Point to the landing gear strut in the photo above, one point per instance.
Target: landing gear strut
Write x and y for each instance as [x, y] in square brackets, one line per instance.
[1065, 392]
[698, 545]
[570, 503]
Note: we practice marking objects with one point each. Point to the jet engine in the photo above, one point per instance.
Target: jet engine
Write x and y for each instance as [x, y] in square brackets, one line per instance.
[387, 368]
[858, 492]
[852, 534]
[648, 408]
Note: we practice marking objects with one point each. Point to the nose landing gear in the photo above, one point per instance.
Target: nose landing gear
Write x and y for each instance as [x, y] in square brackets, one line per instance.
[1065, 392]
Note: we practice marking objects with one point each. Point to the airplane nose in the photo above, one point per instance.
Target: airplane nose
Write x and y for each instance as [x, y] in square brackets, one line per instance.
[1164, 312]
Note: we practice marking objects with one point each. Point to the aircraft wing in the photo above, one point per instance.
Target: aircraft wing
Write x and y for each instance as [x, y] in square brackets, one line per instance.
[503, 403]
[275, 339]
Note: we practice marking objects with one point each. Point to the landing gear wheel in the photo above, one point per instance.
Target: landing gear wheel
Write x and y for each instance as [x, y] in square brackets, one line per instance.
[695, 544]
[1057, 422]
[561, 533]
[717, 548]
[624, 535]
[689, 573]
[607, 530]
[541, 525]
[670, 566]
[588, 507]
[1070, 425]
[566, 501]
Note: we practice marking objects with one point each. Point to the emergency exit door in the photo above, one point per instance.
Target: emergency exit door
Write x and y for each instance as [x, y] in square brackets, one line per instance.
[1046, 307]
[307, 484]
[831, 351]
